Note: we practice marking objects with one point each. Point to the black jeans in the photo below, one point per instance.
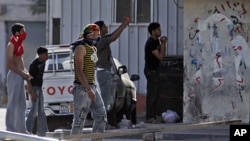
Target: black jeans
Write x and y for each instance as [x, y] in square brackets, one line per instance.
[152, 97]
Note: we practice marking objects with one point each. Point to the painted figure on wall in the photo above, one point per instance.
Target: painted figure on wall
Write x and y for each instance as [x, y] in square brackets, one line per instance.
[217, 51]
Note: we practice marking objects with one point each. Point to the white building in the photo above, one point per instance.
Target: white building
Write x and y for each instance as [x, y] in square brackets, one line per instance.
[66, 19]
[12, 11]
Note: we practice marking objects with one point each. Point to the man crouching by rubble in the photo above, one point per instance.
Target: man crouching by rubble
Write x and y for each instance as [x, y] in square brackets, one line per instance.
[86, 97]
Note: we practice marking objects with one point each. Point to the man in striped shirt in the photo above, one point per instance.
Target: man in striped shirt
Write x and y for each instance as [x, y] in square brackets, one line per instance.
[86, 97]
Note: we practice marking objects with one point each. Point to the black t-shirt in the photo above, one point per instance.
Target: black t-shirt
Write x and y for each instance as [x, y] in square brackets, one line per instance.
[36, 70]
[151, 62]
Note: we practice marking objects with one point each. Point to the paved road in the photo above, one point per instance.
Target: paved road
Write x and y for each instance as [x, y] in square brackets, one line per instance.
[3, 128]
[216, 133]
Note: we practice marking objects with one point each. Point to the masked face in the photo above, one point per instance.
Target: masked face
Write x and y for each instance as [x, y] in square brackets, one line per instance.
[96, 41]
[92, 42]
[93, 38]
[22, 36]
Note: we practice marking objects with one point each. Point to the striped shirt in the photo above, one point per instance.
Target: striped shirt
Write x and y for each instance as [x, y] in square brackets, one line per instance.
[90, 59]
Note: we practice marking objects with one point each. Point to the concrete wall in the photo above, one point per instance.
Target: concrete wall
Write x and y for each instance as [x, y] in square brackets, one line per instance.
[217, 60]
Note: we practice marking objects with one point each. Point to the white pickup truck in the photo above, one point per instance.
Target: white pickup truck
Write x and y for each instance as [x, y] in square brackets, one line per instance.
[58, 83]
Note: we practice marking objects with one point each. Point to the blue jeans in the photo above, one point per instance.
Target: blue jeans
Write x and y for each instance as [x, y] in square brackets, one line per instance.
[16, 106]
[37, 110]
[104, 78]
[82, 105]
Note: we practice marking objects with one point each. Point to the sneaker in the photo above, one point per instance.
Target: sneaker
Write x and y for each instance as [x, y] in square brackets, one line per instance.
[151, 120]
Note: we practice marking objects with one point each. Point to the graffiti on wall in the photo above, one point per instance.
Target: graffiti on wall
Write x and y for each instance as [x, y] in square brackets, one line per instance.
[216, 60]
[217, 46]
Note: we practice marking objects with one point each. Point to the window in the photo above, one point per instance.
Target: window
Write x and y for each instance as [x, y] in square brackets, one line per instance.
[59, 62]
[56, 31]
[138, 10]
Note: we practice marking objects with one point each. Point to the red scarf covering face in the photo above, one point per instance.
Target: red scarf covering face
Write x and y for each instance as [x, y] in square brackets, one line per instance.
[17, 41]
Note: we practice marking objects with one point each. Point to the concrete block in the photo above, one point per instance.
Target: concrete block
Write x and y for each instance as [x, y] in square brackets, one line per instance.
[158, 136]
[148, 137]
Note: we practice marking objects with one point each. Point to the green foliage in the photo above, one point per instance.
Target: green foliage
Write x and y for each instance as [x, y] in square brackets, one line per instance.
[38, 6]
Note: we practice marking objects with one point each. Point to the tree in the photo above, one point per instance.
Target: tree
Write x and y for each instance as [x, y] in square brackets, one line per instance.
[38, 6]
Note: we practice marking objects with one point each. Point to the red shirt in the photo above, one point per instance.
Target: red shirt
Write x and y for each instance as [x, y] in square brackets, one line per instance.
[17, 41]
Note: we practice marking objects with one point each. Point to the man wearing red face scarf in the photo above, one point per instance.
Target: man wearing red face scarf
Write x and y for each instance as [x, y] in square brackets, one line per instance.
[15, 114]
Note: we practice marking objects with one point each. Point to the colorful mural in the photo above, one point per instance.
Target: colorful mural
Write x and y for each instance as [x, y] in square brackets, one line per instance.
[217, 60]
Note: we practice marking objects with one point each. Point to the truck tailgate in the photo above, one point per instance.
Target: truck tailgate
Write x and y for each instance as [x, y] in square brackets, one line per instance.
[58, 89]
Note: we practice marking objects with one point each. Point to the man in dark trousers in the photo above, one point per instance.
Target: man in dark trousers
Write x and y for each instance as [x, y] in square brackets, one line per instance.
[36, 70]
[155, 50]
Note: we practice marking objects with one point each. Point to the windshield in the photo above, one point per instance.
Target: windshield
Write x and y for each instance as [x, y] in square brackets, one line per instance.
[59, 61]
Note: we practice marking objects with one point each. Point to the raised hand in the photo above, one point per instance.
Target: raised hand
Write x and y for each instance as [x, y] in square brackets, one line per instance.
[126, 20]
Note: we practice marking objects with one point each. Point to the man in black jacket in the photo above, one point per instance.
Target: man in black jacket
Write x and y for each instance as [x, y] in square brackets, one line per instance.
[36, 70]
[155, 50]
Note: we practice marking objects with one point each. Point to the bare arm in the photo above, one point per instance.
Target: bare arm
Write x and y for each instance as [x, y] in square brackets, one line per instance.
[161, 53]
[119, 30]
[80, 52]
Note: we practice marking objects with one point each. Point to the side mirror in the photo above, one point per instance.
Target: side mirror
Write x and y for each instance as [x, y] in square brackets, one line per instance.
[122, 69]
[135, 77]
